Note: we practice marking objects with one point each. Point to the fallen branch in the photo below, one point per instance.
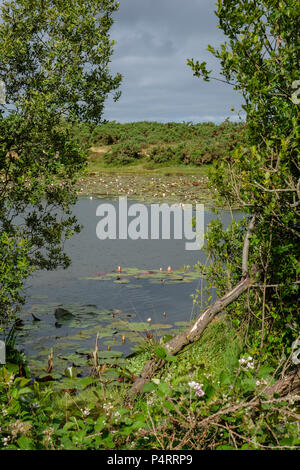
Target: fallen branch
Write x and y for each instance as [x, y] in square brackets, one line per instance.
[195, 331]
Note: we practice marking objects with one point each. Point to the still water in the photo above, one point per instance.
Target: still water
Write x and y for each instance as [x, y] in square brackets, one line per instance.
[103, 305]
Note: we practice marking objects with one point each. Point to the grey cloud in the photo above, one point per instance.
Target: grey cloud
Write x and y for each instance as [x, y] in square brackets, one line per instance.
[154, 39]
[142, 43]
[175, 16]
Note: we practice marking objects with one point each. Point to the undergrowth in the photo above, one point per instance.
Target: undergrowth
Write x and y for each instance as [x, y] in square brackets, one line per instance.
[210, 396]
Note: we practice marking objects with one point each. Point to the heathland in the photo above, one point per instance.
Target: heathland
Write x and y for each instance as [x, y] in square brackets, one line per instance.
[151, 160]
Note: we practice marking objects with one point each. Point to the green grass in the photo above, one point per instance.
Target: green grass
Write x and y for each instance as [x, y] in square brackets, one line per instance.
[217, 350]
[96, 163]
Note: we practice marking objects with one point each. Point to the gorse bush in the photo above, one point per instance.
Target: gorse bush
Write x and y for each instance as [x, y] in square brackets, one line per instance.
[171, 143]
[123, 154]
[166, 154]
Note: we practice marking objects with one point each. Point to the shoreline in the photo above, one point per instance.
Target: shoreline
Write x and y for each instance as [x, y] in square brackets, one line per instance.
[147, 186]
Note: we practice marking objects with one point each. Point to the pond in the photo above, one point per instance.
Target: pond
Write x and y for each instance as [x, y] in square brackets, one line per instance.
[66, 309]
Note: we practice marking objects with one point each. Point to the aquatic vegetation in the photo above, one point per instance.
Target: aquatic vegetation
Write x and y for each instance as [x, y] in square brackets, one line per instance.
[183, 186]
[202, 390]
[70, 330]
[154, 276]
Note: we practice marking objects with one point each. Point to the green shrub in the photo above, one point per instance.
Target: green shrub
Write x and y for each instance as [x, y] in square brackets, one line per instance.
[174, 143]
[123, 154]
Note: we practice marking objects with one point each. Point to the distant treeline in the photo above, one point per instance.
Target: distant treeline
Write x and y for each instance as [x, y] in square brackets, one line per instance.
[169, 143]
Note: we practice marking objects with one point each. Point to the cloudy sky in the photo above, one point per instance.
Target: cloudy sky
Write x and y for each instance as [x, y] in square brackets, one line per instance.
[154, 39]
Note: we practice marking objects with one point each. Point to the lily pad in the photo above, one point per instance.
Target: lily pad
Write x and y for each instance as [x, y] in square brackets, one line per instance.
[182, 323]
[75, 359]
[160, 326]
[180, 275]
[109, 354]
[62, 314]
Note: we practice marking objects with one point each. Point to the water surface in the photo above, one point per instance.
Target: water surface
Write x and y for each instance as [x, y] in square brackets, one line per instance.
[105, 306]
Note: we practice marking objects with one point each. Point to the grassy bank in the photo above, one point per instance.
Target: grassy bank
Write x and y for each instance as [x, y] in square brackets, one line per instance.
[165, 184]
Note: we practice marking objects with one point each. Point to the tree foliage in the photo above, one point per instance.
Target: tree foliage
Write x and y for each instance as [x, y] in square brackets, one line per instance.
[54, 61]
[260, 58]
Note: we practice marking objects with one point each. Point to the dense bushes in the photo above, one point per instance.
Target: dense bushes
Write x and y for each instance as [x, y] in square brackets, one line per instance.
[171, 143]
[123, 154]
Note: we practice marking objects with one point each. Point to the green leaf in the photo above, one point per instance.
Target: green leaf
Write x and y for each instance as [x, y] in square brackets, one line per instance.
[25, 443]
[171, 358]
[164, 388]
[160, 352]
[149, 387]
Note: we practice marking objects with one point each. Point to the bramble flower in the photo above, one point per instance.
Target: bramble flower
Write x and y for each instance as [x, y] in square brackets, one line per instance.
[198, 388]
[108, 408]
[261, 382]
[19, 427]
[246, 362]
[85, 412]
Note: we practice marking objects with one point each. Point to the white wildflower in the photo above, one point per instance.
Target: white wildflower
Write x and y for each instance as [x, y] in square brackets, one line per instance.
[85, 412]
[197, 387]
